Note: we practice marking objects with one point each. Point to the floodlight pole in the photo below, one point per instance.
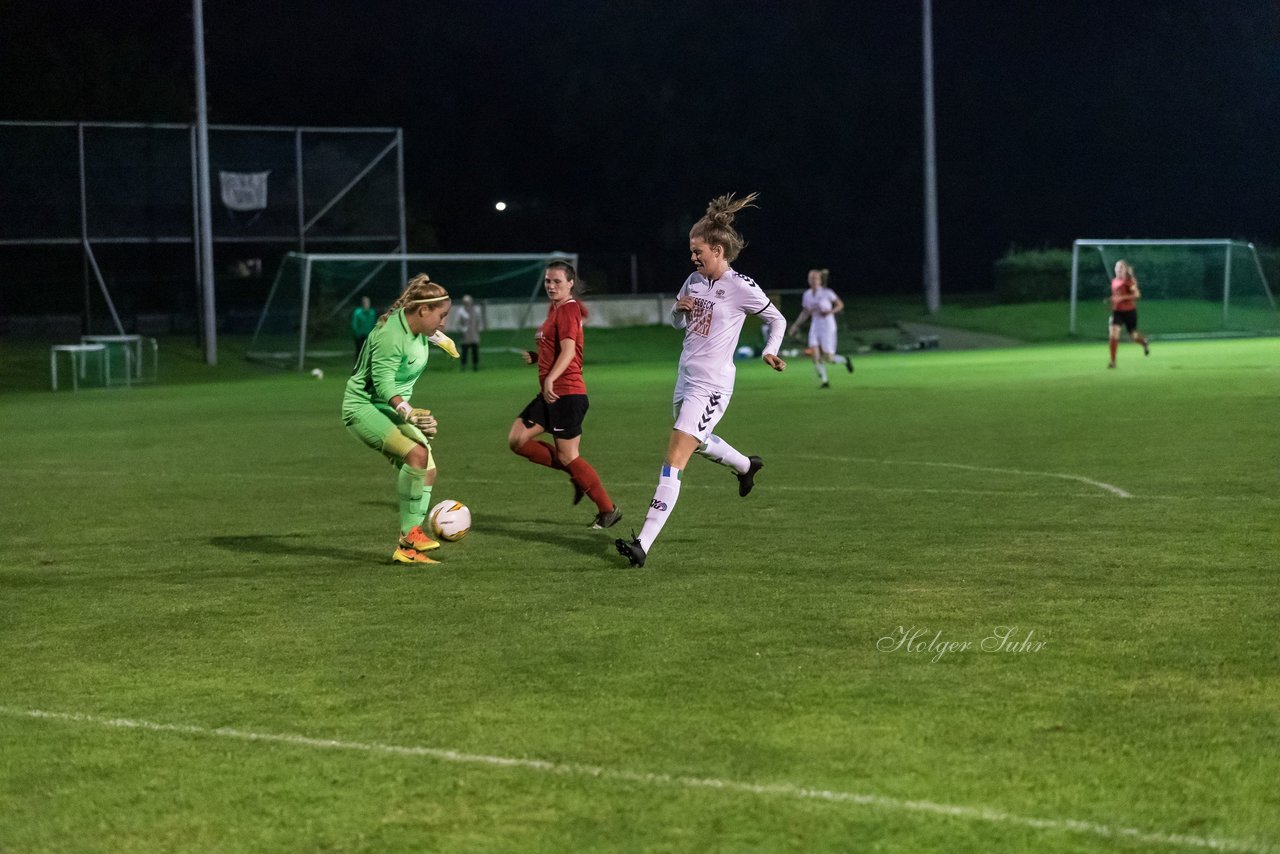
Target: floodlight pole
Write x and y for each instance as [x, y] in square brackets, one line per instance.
[205, 206]
[932, 287]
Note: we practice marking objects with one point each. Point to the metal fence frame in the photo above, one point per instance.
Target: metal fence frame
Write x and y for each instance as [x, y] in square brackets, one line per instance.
[86, 240]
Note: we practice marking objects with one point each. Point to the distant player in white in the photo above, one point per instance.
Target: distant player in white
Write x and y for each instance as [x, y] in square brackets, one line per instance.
[711, 307]
[821, 305]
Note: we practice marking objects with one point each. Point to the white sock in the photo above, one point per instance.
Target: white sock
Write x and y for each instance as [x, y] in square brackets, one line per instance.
[664, 501]
[821, 368]
[719, 451]
[838, 359]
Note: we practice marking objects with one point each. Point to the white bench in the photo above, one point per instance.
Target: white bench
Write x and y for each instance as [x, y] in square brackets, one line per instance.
[132, 346]
[79, 355]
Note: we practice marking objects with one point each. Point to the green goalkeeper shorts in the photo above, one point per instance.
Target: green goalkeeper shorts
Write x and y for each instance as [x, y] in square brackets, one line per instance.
[393, 439]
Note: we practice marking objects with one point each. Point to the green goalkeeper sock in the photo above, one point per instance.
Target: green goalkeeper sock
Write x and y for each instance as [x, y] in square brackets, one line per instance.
[424, 503]
[409, 491]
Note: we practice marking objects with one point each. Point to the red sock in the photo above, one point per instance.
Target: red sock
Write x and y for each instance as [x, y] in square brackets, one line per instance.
[1114, 344]
[540, 453]
[586, 479]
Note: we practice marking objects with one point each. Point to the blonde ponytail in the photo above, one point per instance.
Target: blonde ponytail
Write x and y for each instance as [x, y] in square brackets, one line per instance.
[716, 226]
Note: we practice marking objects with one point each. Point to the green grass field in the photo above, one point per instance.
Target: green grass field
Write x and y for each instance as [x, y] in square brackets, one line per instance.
[204, 648]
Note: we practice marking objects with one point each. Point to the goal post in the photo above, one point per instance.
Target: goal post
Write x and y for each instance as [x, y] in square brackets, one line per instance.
[307, 314]
[1190, 288]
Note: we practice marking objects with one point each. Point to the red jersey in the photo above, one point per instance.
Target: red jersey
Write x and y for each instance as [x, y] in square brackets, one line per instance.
[563, 321]
[1121, 295]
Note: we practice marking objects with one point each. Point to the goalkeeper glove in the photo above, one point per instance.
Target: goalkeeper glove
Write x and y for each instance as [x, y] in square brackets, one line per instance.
[423, 420]
[444, 342]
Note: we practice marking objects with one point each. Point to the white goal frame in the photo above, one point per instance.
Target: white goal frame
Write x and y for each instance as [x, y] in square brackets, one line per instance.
[307, 259]
[1227, 244]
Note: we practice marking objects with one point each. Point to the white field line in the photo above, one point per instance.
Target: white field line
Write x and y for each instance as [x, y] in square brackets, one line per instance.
[714, 483]
[347, 477]
[573, 769]
[1115, 490]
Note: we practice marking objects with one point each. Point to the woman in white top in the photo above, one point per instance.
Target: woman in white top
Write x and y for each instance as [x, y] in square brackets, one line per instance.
[470, 320]
[711, 307]
[821, 305]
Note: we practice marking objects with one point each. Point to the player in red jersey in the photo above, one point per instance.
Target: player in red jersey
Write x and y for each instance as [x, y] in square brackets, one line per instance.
[1124, 310]
[562, 404]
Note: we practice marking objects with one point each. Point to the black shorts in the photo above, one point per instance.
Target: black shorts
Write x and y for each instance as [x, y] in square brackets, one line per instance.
[562, 419]
[1127, 319]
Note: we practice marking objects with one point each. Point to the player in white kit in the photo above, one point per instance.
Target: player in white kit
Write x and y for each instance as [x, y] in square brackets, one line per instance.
[821, 305]
[711, 307]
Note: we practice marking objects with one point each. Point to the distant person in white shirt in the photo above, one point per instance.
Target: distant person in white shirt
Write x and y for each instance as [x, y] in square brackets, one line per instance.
[821, 305]
[468, 318]
[711, 307]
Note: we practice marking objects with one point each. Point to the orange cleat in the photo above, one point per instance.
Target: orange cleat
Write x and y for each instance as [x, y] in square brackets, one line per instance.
[408, 555]
[418, 540]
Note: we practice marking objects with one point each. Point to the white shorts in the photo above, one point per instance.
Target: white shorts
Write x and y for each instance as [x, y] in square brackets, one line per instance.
[697, 412]
[822, 333]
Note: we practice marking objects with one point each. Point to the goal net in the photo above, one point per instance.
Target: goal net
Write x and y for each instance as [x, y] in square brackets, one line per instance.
[1190, 288]
[307, 316]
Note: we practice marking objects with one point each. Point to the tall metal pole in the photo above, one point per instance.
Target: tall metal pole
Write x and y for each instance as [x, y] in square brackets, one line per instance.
[87, 322]
[932, 288]
[195, 224]
[206, 208]
[302, 192]
[404, 235]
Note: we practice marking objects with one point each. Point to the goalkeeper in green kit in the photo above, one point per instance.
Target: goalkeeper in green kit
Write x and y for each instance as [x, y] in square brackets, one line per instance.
[376, 408]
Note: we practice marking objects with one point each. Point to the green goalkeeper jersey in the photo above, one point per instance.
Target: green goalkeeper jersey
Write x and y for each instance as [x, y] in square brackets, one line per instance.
[390, 363]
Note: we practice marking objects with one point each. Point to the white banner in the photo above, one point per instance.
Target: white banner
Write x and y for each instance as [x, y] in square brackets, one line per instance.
[244, 191]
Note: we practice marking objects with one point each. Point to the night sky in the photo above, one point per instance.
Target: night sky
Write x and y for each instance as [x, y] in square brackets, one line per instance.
[607, 126]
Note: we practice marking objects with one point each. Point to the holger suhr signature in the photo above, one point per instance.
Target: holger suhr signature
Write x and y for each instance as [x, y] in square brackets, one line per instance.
[924, 641]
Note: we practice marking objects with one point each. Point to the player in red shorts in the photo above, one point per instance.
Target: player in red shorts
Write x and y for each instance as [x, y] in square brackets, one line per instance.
[1124, 310]
[562, 404]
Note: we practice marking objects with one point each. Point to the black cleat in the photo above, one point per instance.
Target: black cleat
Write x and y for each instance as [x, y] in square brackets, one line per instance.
[578, 492]
[848, 364]
[825, 385]
[631, 550]
[747, 481]
[608, 519]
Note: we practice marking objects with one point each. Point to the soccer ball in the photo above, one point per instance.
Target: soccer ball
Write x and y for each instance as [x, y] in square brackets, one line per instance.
[745, 352]
[317, 373]
[450, 520]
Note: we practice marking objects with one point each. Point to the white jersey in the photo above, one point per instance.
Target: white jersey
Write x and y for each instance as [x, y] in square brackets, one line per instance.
[819, 303]
[713, 326]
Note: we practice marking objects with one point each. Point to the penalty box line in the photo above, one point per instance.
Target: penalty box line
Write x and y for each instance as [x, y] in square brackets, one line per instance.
[777, 487]
[1098, 484]
[573, 769]
[1113, 489]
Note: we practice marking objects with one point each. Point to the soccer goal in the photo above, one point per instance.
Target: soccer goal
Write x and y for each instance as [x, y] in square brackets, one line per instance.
[1190, 288]
[307, 315]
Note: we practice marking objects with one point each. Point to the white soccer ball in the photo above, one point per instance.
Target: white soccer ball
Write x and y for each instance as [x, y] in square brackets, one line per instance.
[450, 520]
[317, 373]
